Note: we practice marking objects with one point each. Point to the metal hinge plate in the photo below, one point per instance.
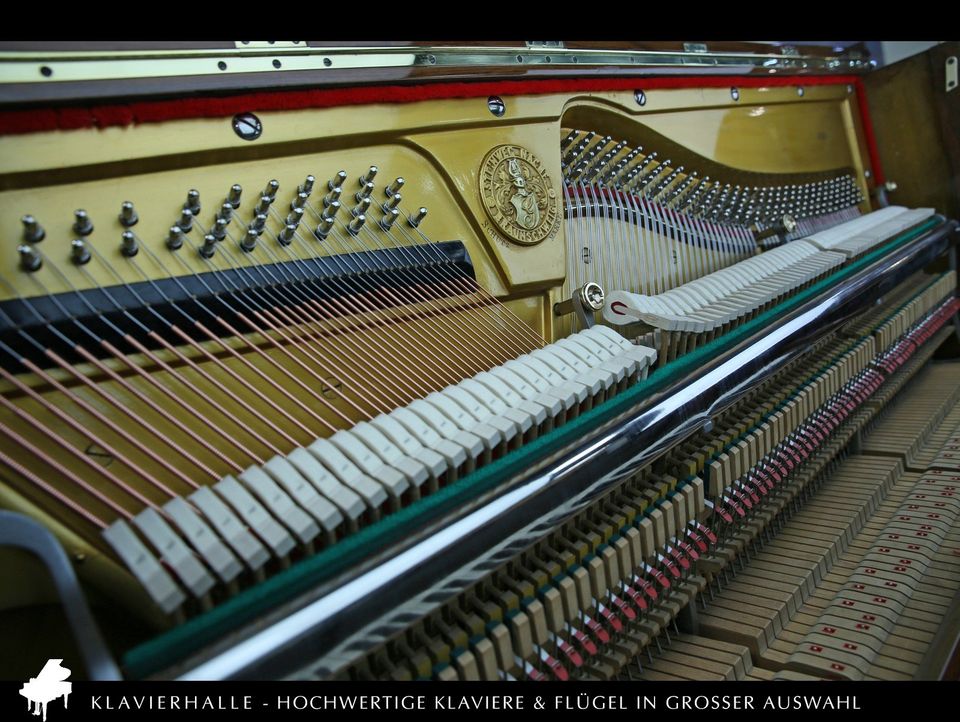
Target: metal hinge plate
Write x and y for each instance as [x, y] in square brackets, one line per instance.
[278, 44]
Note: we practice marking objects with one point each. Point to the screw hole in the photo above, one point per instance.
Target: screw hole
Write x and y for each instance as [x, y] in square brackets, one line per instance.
[222, 65]
[276, 63]
[519, 58]
[46, 71]
[327, 62]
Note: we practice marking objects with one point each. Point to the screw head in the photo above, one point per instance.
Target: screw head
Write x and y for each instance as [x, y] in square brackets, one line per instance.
[247, 126]
[496, 105]
[640, 97]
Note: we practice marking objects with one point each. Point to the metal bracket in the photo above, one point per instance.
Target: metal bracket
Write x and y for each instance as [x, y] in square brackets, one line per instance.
[695, 48]
[278, 44]
[951, 68]
[17, 530]
[585, 301]
[881, 192]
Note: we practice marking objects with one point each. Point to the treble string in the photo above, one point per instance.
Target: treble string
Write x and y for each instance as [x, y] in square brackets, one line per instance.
[419, 252]
[236, 355]
[449, 364]
[430, 288]
[278, 314]
[130, 339]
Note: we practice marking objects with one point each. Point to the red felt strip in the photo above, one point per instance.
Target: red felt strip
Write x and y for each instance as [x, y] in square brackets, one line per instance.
[16, 122]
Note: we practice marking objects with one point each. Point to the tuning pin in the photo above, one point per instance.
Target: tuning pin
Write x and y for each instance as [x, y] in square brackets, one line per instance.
[392, 202]
[186, 221]
[286, 235]
[294, 217]
[271, 190]
[324, 227]
[209, 246]
[32, 231]
[249, 241]
[368, 176]
[225, 212]
[30, 260]
[128, 244]
[338, 180]
[391, 190]
[307, 186]
[233, 195]
[365, 191]
[258, 223]
[174, 238]
[333, 195]
[193, 202]
[219, 230]
[299, 202]
[356, 224]
[332, 210]
[79, 253]
[363, 205]
[416, 220]
[128, 216]
[389, 218]
[81, 224]
[263, 205]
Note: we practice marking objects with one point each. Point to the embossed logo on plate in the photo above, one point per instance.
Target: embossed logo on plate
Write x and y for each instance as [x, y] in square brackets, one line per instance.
[518, 195]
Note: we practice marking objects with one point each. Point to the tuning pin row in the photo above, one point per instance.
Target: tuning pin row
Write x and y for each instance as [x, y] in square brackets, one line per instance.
[33, 232]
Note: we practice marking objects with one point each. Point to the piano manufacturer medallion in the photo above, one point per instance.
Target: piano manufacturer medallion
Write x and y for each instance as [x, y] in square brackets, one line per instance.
[518, 195]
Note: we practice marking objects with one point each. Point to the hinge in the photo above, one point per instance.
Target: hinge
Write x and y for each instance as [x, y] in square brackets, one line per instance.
[278, 44]
[951, 67]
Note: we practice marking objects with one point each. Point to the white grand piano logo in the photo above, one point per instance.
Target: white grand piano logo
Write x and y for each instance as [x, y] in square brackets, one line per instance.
[47, 686]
